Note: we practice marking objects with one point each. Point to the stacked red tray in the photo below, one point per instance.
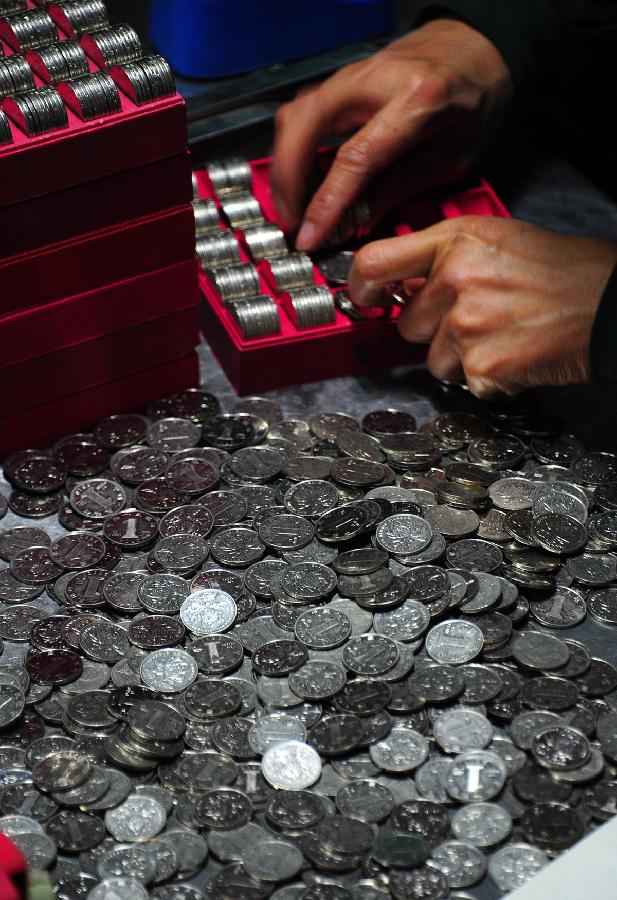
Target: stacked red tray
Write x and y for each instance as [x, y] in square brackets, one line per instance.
[342, 347]
[98, 280]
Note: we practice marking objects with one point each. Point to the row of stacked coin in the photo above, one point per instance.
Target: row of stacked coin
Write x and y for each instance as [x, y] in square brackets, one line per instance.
[66, 66]
[239, 283]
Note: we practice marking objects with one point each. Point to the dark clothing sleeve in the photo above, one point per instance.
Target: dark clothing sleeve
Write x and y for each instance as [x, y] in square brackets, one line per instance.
[528, 33]
[562, 55]
[603, 348]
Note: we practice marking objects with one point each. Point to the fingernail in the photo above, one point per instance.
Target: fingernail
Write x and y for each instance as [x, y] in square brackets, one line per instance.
[306, 236]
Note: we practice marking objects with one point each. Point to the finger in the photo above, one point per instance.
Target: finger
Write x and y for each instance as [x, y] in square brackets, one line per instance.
[386, 136]
[443, 358]
[383, 263]
[420, 320]
[300, 127]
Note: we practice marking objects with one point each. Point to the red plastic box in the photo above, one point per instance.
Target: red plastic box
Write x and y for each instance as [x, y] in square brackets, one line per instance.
[330, 351]
[97, 259]
[40, 426]
[102, 203]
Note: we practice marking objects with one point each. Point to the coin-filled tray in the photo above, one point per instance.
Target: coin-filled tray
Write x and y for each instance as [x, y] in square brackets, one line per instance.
[78, 149]
[99, 295]
[303, 326]
[30, 280]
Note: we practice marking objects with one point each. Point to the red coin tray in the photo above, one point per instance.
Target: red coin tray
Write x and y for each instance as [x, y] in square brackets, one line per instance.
[91, 363]
[343, 348]
[30, 334]
[40, 426]
[104, 202]
[97, 259]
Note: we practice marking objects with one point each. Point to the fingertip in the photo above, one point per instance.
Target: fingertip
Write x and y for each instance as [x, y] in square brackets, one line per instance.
[307, 237]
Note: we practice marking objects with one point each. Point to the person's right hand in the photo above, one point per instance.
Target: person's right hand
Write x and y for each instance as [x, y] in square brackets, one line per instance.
[424, 103]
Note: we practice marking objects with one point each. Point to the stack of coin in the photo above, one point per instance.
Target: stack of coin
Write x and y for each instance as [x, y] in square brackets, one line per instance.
[230, 176]
[241, 209]
[5, 132]
[256, 316]
[236, 282]
[15, 76]
[345, 305]
[292, 271]
[145, 80]
[353, 225]
[151, 732]
[92, 96]
[63, 60]
[219, 248]
[265, 241]
[39, 111]
[207, 219]
[311, 307]
[9, 7]
[113, 46]
[32, 29]
[84, 16]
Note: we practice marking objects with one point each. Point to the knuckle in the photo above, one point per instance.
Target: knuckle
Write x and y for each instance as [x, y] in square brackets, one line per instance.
[354, 156]
[463, 320]
[431, 87]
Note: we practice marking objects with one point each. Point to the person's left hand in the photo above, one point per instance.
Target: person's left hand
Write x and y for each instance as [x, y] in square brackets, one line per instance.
[505, 305]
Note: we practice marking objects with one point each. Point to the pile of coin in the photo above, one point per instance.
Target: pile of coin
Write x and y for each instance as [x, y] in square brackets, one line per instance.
[5, 132]
[63, 61]
[241, 209]
[219, 248]
[265, 241]
[291, 658]
[15, 76]
[32, 29]
[256, 316]
[345, 305]
[84, 16]
[207, 221]
[8, 7]
[145, 80]
[114, 46]
[237, 282]
[312, 307]
[92, 96]
[230, 176]
[292, 272]
[39, 111]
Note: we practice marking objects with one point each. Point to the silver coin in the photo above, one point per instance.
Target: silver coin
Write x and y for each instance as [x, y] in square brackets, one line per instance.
[403, 750]
[138, 818]
[454, 642]
[482, 824]
[169, 670]
[459, 730]
[512, 866]
[291, 765]
[208, 611]
[476, 775]
[461, 863]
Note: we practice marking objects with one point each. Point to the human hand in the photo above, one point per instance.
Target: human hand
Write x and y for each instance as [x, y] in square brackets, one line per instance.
[424, 101]
[504, 305]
